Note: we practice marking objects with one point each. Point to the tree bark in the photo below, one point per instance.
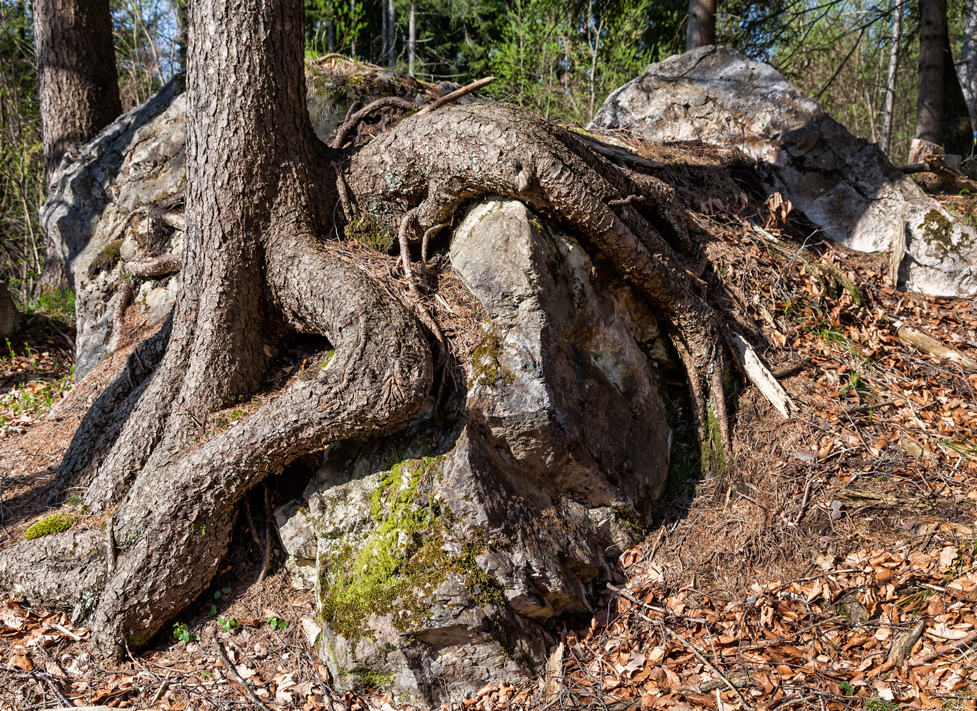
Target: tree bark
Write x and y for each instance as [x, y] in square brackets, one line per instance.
[79, 89]
[701, 28]
[929, 110]
[967, 68]
[412, 39]
[890, 84]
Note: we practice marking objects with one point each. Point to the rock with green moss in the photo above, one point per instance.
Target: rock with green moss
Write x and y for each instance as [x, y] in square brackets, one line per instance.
[443, 549]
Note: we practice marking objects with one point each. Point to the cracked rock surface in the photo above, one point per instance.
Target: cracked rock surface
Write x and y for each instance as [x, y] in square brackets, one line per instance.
[842, 183]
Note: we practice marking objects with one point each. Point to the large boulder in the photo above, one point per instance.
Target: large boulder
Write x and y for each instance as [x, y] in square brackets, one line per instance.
[442, 549]
[842, 183]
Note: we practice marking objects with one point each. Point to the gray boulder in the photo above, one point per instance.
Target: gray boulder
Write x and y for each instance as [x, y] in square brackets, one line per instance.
[843, 184]
[442, 548]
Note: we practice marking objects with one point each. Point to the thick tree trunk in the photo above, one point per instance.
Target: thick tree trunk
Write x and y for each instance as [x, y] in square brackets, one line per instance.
[79, 89]
[890, 84]
[252, 268]
[929, 109]
[701, 28]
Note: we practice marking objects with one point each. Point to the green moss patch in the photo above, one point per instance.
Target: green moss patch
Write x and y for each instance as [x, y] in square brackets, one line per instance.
[55, 523]
[486, 368]
[401, 561]
[107, 260]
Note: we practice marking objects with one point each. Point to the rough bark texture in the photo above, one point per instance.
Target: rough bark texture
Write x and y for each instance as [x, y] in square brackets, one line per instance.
[79, 89]
[701, 29]
[251, 268]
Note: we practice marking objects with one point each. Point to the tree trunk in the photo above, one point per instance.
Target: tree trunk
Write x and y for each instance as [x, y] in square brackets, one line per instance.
[384, 31]
[352, 24]
[412, 39]
[701, 28]
[967, 68]
[890, 84]
[929, 110]
[78, 88]
[392, 35]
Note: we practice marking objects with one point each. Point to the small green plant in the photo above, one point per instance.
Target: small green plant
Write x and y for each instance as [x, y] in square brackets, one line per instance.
[277, 623]
[226, 623]
[182, 633]
[212, 611]
[879, 705]
[847, 689]
[237, 415]
[55, 523]
[222, 591]
[205, 675]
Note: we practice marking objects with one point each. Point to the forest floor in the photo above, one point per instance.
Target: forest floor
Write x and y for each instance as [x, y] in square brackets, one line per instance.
[830, 564]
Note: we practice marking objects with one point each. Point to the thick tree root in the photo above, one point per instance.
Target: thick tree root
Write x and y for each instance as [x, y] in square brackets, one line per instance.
[428, 167]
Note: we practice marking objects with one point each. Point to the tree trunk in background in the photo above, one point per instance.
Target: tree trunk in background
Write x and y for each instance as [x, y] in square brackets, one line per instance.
[79, 88]
[383, 33]
[929, 110]
[392, 35]
[890, 85]
[701, 24]
[967, 68]
[412, 39]
[956, 116]
[352, 20]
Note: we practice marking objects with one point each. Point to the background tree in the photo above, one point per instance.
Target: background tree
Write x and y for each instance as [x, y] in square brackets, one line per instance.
[701, 29]
[79, 89]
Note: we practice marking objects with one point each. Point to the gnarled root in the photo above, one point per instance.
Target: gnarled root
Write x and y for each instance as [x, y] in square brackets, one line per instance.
[174, 523]
[425, 169]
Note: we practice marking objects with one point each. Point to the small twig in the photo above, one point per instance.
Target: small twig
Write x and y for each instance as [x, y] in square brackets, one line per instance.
[160, 690]
[939, 651]
[109, 545]
[869, 406]
[232, 672]
[250, 522]
[800, 511]
[268, 524]
[455, 95]
[65, 630]
[791, 369]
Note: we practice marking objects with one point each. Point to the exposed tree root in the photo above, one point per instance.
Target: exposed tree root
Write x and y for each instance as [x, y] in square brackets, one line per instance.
[145, 448]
